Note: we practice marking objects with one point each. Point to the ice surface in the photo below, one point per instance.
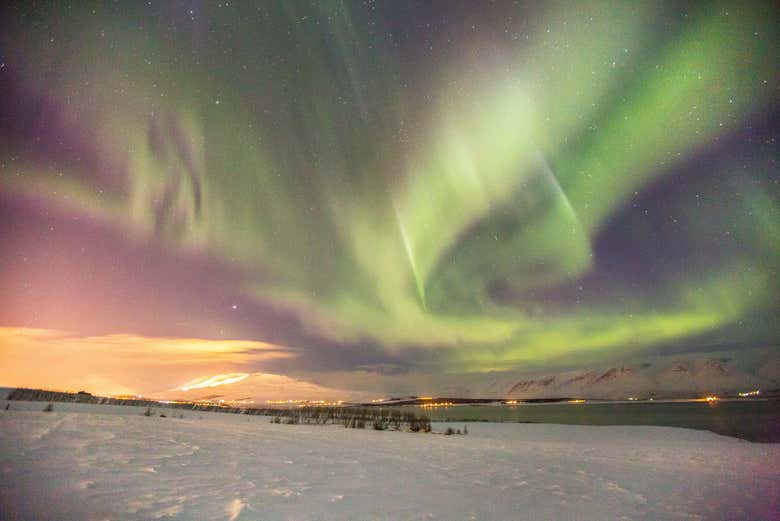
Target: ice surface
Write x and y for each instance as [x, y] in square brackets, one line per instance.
[102, 462]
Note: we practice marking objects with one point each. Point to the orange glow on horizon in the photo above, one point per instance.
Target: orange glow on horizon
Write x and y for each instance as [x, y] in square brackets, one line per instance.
[119, 364]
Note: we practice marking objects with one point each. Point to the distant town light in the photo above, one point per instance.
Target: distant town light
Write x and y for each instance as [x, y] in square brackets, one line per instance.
[305, 403]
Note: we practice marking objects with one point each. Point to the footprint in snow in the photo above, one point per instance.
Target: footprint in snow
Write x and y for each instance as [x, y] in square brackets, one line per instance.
[614, 487]
[234, 508]
[556, 491]
[286, 492]
[171, 511]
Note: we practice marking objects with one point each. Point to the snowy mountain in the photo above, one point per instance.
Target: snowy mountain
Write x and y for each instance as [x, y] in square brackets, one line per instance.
[682, 378]
[254, 388]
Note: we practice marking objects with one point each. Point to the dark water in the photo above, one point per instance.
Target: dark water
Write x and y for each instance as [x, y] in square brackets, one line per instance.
[757, 420]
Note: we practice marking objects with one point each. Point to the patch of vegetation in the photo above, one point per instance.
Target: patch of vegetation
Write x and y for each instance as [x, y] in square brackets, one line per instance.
[351, 418]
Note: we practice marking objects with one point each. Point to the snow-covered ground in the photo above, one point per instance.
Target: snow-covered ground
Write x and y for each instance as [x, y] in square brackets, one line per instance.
[102, 462]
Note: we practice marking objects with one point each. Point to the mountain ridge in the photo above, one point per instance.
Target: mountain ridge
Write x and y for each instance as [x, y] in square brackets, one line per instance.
[681, 378]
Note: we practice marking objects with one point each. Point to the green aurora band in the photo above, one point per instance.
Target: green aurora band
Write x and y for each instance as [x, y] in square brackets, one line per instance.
[424, 195]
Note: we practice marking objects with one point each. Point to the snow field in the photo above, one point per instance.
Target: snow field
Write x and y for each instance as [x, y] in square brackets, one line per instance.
[103, 462]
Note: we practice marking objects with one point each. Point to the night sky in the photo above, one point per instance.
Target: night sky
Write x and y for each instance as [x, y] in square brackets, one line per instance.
[356, 192]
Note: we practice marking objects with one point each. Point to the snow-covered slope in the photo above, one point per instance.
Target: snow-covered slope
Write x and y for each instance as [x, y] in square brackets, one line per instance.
[123, 466]
[254, 388]
[681, 378]
[706, 375]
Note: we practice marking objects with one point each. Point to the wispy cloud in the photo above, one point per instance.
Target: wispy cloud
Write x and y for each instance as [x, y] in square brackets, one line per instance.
[121, 363]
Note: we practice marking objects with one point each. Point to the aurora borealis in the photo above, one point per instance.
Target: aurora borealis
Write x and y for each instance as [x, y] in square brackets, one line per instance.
[394, 188]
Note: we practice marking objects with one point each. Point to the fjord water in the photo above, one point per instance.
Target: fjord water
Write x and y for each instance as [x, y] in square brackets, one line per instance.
[753, 420]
